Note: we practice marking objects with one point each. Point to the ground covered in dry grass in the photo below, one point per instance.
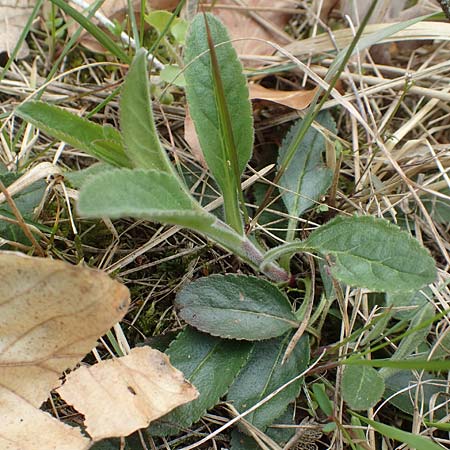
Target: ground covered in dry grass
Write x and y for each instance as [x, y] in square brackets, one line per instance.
[389, 155]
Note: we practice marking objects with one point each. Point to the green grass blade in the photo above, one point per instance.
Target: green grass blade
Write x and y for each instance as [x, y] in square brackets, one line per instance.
[94, 30]
[413, 440]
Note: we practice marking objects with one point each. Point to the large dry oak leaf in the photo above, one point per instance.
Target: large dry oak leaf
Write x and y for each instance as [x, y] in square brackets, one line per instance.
[51, 315]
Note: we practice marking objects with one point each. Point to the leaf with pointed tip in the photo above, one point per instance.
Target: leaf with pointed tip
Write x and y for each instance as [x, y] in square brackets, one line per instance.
[210, 364]
[219, 105]
[136, 119]
[236, 307]
[141, 193]
[102, 142]
[306, 178]
[263, 374]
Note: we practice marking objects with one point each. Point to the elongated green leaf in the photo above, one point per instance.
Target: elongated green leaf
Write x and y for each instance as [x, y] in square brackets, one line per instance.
[263, 374]
[210, 364]
[306, 178]
[141, 193]
[136, 119]
[223, 122]
[76, 131]
[322, 399]
[26, 201]
[368, 252]
[362, 387]
[236, 307]
[413, 440]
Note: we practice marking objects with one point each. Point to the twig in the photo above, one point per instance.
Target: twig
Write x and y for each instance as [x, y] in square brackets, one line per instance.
[128, 40]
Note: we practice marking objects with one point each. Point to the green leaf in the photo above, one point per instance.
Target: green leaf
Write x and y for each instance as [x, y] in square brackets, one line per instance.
[159, 19]
[263, 374]
[413, 440]
[76, 131]
[210, 364]
[241, 441]
[306, 178]
[413, 363]
[362, 387]
[179, 31]
[173, 75]
[368, 252]
[141, 193]
[221, 111]
[322, 399]
[411, 301]
[26, 202]
[136, 119]
[373, 253]
[236, 307]
[438, 207]
[78, 178]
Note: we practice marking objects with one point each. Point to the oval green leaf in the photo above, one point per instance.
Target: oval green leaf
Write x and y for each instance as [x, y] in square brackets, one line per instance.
[362, 387]
[236, 307]
[210, 364]
[373, 253]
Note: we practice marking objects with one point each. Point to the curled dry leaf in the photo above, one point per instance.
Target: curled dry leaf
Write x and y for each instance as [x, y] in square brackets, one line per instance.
[13, 17]
[119, 396]
[293, 99]
[51, 315]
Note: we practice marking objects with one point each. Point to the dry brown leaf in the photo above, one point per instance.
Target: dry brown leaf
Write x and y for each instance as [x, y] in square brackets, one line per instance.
[190, 136]
[51, 314]
[241, 25]
[26, 428]
[13, 17]
[120, 396]
[293, 99]
[116, 10]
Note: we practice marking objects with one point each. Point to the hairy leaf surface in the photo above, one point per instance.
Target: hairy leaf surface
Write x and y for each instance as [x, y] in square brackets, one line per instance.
[76, 131]
[141, 193]
[136, 119]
